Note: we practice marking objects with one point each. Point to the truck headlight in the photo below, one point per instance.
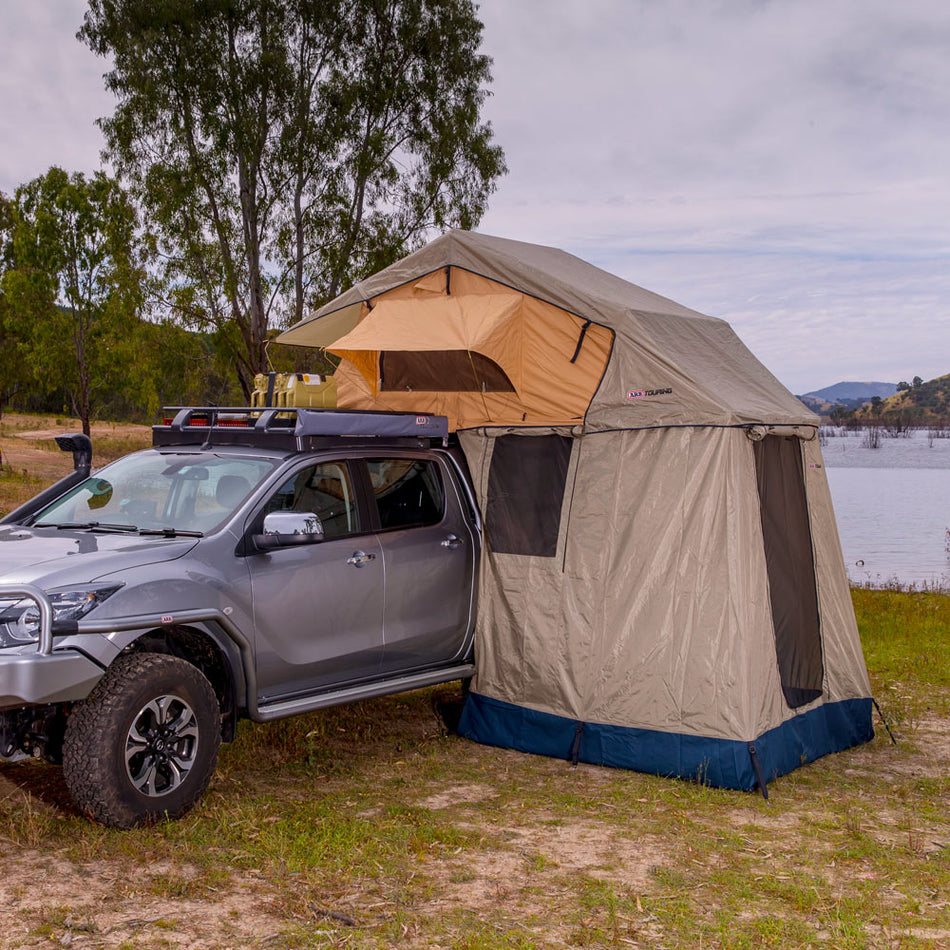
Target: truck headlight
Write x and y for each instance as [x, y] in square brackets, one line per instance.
[20, 619]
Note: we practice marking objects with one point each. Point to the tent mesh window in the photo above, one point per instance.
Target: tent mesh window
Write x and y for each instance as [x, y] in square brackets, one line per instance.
[441, 371]
[791, 567]
[525, 493]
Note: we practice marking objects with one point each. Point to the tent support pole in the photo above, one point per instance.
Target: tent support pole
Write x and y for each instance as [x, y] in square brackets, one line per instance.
[887, 725]
[757, 768]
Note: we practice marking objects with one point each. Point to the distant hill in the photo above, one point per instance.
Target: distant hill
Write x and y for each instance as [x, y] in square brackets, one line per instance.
[849, 392]
[928, 403]
[821, 406]
[845, 395]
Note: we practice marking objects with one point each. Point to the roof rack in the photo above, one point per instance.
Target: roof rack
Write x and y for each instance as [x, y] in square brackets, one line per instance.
[290, 427]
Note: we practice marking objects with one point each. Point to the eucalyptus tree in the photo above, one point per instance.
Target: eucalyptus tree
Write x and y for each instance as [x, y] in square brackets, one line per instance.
[74, 284]
[14, 372]
[285, 148]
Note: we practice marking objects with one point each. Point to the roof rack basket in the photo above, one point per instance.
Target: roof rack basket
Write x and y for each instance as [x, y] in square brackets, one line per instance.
[289, 427]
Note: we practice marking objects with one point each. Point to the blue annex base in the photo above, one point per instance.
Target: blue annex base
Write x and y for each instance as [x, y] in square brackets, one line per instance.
[722, 763]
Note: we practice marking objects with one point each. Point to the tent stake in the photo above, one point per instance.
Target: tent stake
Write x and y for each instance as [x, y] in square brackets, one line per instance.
[575, 753]
[757, 768]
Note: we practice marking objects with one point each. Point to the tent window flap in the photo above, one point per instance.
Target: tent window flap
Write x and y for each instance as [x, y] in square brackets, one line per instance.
[791, 567]
[525, 493]
[441, 371]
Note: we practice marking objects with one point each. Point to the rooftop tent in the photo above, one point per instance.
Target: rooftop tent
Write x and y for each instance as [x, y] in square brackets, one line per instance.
[667, 364]
[482, 353]
[661, 585]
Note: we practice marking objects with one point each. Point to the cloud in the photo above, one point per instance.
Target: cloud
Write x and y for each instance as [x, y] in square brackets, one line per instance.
[681, 94]
[782, 165]
[52, 92]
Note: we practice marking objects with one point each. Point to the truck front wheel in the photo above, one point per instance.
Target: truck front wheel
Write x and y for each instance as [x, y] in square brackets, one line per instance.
[144, 744]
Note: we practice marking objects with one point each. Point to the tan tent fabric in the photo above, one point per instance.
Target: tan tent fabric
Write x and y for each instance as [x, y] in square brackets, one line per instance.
[481, 323]
[614, 635]
[678, 602]
[713, 378]
[478, 324]
[535, 345]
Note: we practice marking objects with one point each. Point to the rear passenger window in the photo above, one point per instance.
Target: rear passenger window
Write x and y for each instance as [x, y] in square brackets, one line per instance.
[408, 492]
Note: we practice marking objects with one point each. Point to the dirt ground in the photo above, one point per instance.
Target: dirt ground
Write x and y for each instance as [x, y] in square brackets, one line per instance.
[48, 900]
[519, 871]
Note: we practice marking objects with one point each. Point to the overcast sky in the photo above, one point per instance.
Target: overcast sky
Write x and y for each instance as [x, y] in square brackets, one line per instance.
[784, 165]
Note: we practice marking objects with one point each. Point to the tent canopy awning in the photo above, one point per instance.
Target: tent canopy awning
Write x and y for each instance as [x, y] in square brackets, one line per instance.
[323, 331]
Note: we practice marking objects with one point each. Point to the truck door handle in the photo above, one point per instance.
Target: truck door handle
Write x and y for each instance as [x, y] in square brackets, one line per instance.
[359, 558]
[451, 541]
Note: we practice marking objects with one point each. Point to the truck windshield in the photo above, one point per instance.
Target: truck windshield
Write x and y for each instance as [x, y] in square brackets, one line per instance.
[152, 491]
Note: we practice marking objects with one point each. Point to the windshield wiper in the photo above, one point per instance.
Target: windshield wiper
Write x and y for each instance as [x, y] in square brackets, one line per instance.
[92, 525]
[172, 532]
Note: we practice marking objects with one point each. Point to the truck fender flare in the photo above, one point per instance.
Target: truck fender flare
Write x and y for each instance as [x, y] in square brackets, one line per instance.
[215, 624]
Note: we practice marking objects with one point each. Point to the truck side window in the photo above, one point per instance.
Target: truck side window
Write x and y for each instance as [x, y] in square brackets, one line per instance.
[324, 489]
[408, 492]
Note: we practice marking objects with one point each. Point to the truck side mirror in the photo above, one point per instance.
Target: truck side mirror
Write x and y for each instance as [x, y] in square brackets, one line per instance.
[288, 528]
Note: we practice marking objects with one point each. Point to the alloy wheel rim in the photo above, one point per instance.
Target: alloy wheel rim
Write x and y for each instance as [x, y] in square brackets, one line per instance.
[161, 746]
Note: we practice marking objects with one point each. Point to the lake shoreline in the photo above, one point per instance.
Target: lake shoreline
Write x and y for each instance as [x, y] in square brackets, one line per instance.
[892, 505]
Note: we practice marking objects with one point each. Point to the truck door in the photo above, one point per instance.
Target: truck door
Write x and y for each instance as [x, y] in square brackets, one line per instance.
[318, 608]
[428, 552]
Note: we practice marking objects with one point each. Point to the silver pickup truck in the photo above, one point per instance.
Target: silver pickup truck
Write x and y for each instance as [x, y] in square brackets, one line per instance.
[256, 563]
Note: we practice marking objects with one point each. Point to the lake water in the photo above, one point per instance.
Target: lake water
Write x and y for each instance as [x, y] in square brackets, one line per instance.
[893, 506]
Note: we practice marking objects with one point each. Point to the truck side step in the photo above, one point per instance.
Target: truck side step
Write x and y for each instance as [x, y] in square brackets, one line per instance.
[278, 710]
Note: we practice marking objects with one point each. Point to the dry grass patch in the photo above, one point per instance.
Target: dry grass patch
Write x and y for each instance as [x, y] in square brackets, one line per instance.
[31, 459]
[369, 827]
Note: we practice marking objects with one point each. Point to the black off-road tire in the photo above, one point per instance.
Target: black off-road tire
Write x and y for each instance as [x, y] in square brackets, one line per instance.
[100, 728]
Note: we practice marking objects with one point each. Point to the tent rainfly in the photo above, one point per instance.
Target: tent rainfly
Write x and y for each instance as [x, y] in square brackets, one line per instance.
[661, 585]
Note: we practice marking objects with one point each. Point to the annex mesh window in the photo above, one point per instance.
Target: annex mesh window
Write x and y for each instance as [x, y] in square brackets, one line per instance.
[525, 493]
[791, 567]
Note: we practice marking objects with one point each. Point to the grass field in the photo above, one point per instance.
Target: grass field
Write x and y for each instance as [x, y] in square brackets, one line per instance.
[369, 826]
